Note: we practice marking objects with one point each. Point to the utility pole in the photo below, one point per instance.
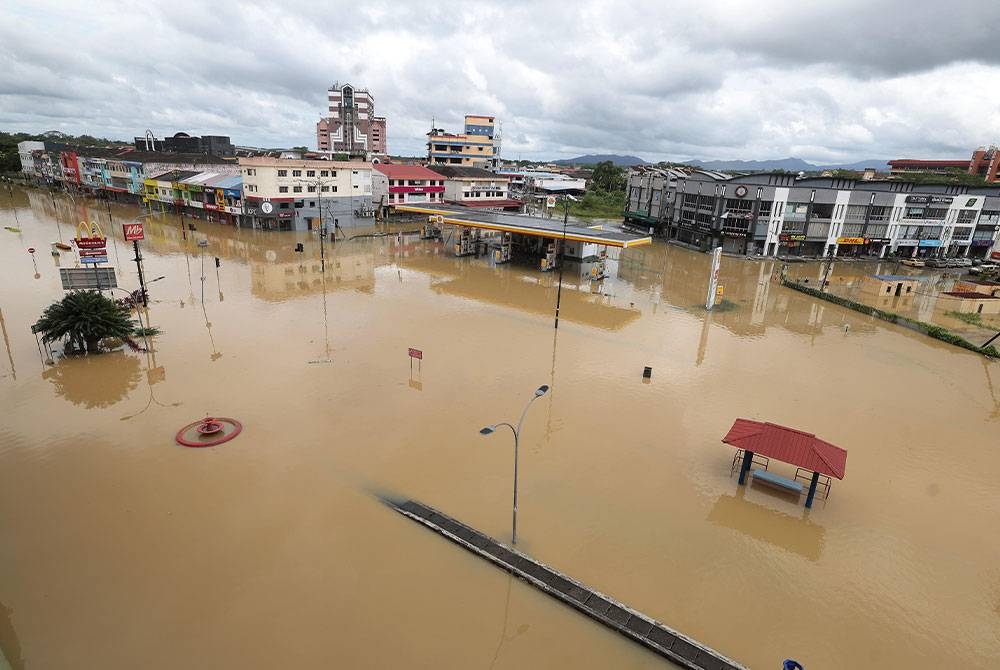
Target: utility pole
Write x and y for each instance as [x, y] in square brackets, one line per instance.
[562, 256]
[319, 183]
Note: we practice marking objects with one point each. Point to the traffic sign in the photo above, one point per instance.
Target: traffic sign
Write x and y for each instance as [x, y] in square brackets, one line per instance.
[133, 231]
[416, 353]
[31, 250]
[93, 260]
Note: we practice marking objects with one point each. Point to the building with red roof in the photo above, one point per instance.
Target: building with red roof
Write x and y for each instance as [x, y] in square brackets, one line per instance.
[394, 184]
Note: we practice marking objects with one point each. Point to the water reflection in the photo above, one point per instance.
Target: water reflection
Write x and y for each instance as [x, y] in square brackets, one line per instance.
[796, 534]
[95, 380]
[10, 646]
[513, 287]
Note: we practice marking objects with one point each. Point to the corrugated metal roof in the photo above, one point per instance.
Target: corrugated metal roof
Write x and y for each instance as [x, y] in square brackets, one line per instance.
[789, 445]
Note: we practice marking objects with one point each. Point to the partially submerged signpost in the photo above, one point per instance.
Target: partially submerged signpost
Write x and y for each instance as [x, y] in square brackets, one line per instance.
[133, 233]
[92, 247]
[713, 280]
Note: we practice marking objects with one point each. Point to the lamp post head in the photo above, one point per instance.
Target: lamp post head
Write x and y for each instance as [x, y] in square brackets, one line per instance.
[487, 430]
[542, 390]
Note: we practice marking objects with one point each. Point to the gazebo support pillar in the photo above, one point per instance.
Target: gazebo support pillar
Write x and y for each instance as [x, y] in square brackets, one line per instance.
[812, 490]
[745, 467]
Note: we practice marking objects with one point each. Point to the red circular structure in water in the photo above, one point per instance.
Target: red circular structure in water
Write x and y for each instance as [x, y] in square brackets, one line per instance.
[209, 432]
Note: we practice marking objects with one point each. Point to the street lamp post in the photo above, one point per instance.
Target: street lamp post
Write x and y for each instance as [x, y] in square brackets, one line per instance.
[539, 392]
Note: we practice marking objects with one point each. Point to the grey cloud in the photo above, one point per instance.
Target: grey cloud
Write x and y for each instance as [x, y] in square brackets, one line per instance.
[715, 80]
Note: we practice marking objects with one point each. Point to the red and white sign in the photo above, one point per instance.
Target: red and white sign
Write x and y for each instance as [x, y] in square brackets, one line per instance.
[416, 353]
[995, 255]
[31, 250]
[133, 231]
[86, 253]
[91, 243]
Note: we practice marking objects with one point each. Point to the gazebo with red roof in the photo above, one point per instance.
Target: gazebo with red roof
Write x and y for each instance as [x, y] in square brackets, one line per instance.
[799, 448]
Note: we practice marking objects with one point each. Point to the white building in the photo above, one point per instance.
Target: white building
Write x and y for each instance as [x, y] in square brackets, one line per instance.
[287, 194]
[406, 185]
[24, 150]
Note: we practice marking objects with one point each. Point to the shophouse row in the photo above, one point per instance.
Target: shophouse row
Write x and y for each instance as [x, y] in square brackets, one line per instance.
[781, 214]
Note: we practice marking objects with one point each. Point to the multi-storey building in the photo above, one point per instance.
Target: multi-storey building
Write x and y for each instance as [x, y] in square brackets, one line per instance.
[351, 127]
[779, 214]
[478, 146]
[289, 194]
[475, 187]
[214, 145]
[406, 185]
[986, 163]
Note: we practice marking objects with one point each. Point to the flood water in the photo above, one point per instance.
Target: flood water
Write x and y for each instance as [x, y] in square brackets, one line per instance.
[121, 549]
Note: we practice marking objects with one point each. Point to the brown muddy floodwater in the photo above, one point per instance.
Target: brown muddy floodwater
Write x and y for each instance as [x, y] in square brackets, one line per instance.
[120, 549]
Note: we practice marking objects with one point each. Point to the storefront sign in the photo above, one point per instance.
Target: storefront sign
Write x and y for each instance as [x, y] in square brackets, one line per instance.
[132, 231]
[791, 238]
[850, 240]
[90, 236]
[876, 240]
[982, 243]
[929, 199]
[930, 243]
[995, 255]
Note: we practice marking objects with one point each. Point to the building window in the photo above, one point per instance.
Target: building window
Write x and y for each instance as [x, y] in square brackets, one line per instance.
[298, 204]
[333, 173]
[283, 205]
[312, 203]
[324, 173]
[334, 188]
[326, 189]
[296, 189]
[310, 173]
[312, 189]
[296, 173]
[282, 173]
[282, 189]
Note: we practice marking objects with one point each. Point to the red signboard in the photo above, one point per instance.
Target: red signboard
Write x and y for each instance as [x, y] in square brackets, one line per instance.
[416, 189]
[995, 255]
[31, 250]
[133, 231]
[91, 243]
[416, 353]
[85, 253]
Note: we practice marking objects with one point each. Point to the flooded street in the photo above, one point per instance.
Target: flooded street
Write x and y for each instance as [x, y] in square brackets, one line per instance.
[121, 549]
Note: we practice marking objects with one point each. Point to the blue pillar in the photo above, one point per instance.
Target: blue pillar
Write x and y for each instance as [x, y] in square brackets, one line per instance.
[812, 489]
[745, 468]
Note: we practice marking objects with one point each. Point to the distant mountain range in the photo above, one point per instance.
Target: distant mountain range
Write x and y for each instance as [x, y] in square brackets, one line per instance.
[594, 159]
[790, 164]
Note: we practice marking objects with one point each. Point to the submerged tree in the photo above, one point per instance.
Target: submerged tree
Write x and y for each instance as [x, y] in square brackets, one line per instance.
[85, 317]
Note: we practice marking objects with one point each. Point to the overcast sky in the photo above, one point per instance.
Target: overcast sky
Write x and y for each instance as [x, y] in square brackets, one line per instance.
[831, 82]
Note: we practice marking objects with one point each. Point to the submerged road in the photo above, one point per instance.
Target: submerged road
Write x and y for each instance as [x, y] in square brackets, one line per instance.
[665, 641]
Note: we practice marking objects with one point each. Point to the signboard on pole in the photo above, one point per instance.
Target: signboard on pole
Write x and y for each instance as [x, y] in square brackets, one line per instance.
[416, 353]
[713, 281]
[550, 201]
[133, 231]
[74, 279]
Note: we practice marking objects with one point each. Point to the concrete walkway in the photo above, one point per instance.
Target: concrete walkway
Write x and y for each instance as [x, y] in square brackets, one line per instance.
[665, 641]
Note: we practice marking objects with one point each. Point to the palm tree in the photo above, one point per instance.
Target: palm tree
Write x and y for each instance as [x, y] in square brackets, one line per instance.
[85, 317]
